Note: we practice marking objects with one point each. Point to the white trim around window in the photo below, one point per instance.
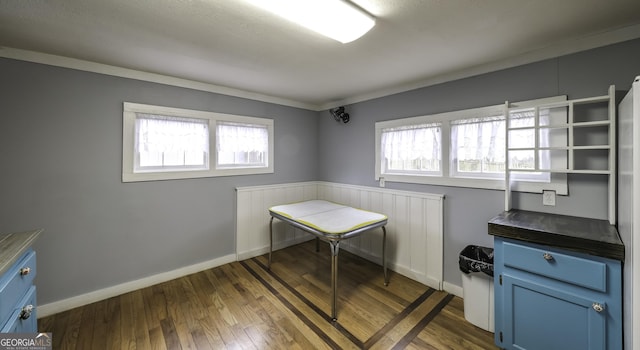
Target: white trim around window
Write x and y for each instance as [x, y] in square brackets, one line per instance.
[203, 146]
[448, 174]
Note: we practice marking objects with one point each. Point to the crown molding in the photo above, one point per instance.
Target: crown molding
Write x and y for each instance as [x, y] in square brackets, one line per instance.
[94, 67]
[562, 48]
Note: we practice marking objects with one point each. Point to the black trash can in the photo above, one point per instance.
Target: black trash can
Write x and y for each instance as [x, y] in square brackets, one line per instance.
[474, 258]
[476, 264]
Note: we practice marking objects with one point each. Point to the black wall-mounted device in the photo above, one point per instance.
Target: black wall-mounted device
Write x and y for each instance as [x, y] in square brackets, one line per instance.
[339, 114]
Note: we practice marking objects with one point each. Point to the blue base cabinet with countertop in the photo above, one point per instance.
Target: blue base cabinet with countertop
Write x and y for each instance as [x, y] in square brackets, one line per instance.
[17, 293]
[555, 299]
[551, 291]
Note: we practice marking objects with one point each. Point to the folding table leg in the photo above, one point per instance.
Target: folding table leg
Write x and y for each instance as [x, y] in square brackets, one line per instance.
[335, 247]
[384, 256]
[270, 242]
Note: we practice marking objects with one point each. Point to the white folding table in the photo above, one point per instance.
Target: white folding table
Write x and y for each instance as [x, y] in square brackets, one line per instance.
[333, 223]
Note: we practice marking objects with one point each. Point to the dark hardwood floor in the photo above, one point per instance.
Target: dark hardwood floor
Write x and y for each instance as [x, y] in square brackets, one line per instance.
[243, 305]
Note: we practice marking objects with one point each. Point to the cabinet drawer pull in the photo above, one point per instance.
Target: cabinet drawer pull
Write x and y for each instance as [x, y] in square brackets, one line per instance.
[547, 256]
[598, 307]
[25, 271]
[26, 312]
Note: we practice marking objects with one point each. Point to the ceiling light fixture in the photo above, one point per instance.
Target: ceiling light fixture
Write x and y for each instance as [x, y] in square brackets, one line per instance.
[336, 19]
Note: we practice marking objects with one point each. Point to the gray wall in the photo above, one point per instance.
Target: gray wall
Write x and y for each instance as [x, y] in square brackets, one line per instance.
[347, 150]
[61, 142]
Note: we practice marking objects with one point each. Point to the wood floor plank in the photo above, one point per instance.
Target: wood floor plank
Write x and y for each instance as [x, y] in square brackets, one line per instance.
[200, 339]
[169, 334]
[244, 305]
[112, 324]
[460, 334]
[138, 320]
[72, 323]
[155, 305]
[211, 332]
[127, 322]
[85, 333]
[286, 326]
[156, 338]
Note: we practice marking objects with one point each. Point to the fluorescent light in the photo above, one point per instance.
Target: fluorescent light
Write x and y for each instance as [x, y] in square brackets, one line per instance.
[337, 19]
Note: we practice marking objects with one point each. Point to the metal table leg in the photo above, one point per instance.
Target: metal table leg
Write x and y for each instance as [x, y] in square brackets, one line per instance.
[384, 256]
[335, 247]
[270, 242]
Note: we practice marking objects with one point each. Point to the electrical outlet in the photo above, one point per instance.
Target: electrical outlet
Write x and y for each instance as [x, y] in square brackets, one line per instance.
[382, 182]
[549, 197]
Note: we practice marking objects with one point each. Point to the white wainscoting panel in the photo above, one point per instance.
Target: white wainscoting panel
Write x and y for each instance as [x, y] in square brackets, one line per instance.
[252, 217]
[414, 230]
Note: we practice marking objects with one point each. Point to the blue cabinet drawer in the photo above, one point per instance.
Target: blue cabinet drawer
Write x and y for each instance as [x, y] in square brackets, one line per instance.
[20, 321]
[15, 283]
[550, 263]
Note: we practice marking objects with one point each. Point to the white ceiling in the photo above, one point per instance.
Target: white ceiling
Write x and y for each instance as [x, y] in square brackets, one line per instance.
[232, 47]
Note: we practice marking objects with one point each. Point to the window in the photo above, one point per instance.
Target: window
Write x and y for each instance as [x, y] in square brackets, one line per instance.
[478, 147]
[161, 143]
[242, 145]
[413, 149]
[463, 148]
[165, 143]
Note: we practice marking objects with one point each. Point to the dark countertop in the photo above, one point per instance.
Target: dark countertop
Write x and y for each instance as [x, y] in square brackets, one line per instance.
[590, 236]
[12, 245]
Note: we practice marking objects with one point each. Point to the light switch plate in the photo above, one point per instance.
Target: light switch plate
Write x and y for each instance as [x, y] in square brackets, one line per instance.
[549, 197]
[382, 182]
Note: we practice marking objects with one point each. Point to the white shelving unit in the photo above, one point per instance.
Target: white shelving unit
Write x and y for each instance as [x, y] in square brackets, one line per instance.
[571, 137]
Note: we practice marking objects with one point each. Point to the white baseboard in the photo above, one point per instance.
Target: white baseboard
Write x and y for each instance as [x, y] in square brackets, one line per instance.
[407, 272]
[248, 254]
[397, 268]
[453, 289]
[102, 294]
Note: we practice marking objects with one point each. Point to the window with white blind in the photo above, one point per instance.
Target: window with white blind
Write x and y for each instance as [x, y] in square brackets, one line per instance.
[162, 143]
[461, 148]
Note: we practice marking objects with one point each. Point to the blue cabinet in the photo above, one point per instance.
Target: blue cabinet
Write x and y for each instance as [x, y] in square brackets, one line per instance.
[24, 318]
[18, 295]
[17, 292]
[552, 298]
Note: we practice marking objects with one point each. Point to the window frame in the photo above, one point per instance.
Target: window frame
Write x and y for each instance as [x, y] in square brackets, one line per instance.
[128, 144]
[558, 181]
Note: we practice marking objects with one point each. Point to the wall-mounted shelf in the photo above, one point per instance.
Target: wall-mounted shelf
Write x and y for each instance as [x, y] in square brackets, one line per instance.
[570, 137]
